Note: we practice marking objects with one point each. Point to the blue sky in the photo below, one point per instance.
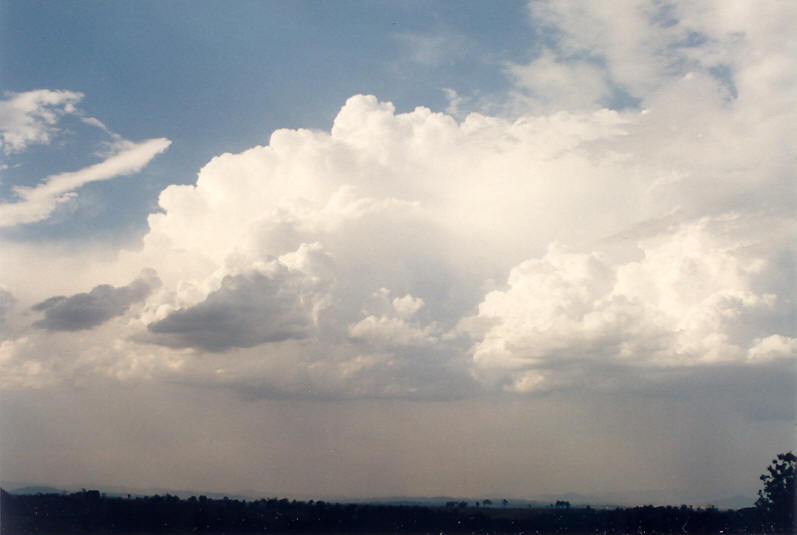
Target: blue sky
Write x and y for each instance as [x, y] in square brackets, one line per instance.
[395, 248]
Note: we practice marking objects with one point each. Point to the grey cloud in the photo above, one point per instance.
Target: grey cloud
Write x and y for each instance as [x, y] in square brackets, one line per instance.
[247, 310]
[87, 310]
[762, 393]
[7, 300]
[417, 374]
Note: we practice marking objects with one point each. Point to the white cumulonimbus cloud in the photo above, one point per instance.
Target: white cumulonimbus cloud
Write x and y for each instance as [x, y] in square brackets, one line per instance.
[412, 254]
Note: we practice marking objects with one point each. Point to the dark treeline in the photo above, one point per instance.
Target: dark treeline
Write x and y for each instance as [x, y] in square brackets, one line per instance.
[92, 512]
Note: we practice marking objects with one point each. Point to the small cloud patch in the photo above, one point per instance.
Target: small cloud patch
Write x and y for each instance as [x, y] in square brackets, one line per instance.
[87, 310]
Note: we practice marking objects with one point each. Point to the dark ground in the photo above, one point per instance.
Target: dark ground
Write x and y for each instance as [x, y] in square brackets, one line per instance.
[90, 512]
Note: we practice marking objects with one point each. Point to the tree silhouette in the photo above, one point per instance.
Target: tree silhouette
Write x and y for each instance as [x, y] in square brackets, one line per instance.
[776, 501]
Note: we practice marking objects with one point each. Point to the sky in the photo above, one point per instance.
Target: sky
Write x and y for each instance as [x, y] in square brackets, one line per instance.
[367, 249]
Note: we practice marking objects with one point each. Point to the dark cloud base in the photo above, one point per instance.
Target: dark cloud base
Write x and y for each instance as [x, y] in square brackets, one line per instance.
[246, 311]
[87, 310]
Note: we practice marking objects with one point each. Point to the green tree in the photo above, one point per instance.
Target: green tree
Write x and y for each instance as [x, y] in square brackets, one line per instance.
[776, 501]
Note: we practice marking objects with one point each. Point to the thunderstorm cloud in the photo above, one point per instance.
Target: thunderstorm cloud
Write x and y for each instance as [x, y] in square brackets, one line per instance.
[626, 216]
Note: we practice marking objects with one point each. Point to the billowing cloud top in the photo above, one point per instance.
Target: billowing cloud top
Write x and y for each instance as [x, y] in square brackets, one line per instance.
[412, 254]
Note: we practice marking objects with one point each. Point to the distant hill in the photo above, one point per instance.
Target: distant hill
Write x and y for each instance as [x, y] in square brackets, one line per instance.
[36, 490]
[606, 500]
[19, 489]
[735, 502]
[433, 501]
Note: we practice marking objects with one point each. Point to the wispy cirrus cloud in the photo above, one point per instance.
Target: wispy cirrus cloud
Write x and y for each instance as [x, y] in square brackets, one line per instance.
[427, 50]
[37, 203]
[29, 118]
